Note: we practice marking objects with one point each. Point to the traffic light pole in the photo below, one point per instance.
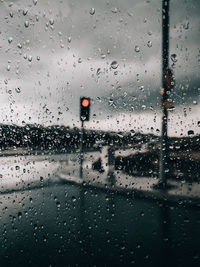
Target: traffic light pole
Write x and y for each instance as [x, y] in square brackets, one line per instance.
[81, 150]
[165, 63]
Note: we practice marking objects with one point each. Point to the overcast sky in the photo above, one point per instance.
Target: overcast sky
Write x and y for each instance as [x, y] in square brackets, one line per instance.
[52, 52]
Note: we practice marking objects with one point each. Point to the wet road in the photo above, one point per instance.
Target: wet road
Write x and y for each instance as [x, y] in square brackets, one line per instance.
[72, 225]
[48, 222]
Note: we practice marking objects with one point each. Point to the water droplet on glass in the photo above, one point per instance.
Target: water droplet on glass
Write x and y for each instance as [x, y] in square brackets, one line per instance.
[19, 46]
[58, 204]
[132, 132]
[25, 11]
[190, 132]
[35, 2]
[18, 90]
[194, 102]
[114, 10]
[149, 44]
[73, 199]
[38, 58]
[114, 65]
[137, 48]
[19, 215]
[26, 23]
[98, 71]
[69, 39]
[51, 21]
[145, 20]
[174, 57]
[10, 39]
[30, 58]
[92, 11]
[186, 25]
[110, 102]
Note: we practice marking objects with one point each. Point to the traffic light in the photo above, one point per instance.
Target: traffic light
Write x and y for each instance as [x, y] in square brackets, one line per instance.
[84, 108]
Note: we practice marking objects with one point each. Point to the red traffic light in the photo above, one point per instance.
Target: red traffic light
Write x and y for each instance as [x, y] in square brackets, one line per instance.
[84, 108]
[85, 102]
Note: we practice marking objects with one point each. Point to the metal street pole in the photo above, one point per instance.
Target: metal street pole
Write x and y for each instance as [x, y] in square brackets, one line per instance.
[81, 150]
[165, 63]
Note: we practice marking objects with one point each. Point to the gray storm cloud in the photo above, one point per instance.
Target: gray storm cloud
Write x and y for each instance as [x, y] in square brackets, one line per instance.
[55, 52]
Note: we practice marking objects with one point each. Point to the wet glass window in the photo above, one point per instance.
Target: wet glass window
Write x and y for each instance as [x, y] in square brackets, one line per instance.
[99, 133]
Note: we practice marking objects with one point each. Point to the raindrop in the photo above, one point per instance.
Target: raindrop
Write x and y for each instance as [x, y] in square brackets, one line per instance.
[149, 44]
[92, 11]
[114, 10]
[58, 204]
[186, 25]
[19, 46]
[38, 58]
[69, 39]
[138, 245]
[51, 21]
[10, 39]
[35, 2]
[141, 88]
[114, 65]
[18, 90]
[143, 107]
[194, 102]
[73, 198]
[83, 117]
[132, 132]
[26, 23]
[110, 102]
[68, 135]
[19, 215]
[137, 48]
[190, 132]
[174, 57]
[30, 58]
[198, 123]
[25, 11]
[98, 71]
[8, 68]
